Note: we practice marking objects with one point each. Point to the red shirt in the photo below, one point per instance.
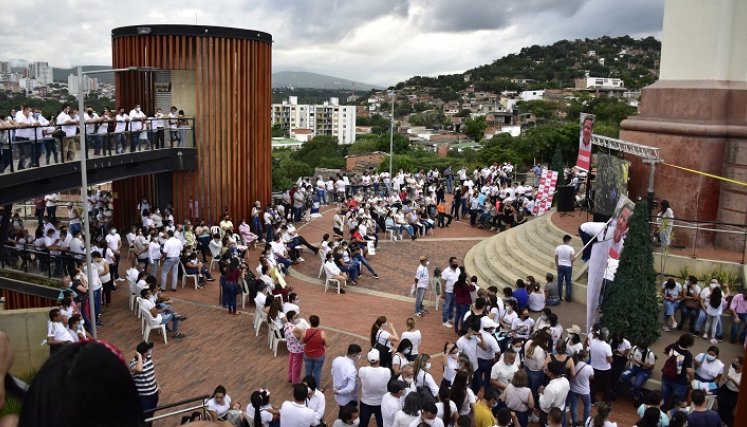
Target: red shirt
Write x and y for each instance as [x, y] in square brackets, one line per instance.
[314, 343]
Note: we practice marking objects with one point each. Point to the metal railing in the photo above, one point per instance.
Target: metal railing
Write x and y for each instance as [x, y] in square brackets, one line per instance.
[23, 147]
[695, 231]
[197, 407]
[28, 259]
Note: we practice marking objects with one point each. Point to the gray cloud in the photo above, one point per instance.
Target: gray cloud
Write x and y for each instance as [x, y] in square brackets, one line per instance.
[376, 41]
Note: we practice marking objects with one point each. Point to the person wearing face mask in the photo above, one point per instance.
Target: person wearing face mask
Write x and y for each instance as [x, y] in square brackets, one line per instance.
[450, 363]
[705, 298]
[399, 358]
[708, 370]
[449, 275]
[144, 374]
[729, 392]
[422, 280]
[137, 118]
[114, 242]
[121, 120]
[428, 416]
[345, 380]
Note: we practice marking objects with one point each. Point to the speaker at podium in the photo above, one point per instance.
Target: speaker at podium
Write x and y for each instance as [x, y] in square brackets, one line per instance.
[565, 198]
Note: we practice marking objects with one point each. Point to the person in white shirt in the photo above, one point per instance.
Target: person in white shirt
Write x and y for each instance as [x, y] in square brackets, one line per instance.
[374, 380]
[296, 413]
[601, 360]
[158, 126]
[428, 415]
[57, 333]
[121, 119]
[69, 119]
[564, 262]
[315, 399]
[50, 202]
[172, 249]
[219, 402]
[415, 337]
[137, 119]
[422, 280]
[391, 403]
[345, 377]
[485, 356]
[114, 242]
[468, 343]
[503, 371]
[333, 272]
[449, 275]
[554, 394]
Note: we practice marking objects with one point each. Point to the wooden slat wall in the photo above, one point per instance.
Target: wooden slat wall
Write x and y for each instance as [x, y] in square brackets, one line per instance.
[232, 128]
[16, 300]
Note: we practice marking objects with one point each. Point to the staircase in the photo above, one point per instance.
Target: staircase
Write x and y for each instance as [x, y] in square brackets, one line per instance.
[526, 250]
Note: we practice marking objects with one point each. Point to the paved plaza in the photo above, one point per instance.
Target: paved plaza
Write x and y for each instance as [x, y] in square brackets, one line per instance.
[223, 349]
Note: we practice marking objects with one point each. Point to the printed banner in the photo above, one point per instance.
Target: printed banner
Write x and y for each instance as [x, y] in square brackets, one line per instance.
[583, 160]
[548, 181]
[605, 257]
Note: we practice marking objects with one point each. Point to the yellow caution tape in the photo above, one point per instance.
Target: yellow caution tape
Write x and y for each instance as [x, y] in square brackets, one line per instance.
[710, 175]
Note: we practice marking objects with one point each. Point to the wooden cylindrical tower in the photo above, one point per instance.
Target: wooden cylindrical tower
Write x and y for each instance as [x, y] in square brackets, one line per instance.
[221, 77]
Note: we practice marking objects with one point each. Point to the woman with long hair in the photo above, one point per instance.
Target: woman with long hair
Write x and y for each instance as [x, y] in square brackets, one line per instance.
[651, 417]
[261, 411]
[462, 395]
[400, 356]
[409, 412]
[384, 340]
[713, 310]
[447, 409]
[219, 402]
[665, 222]
[422, 376]
[672, 294]
[535, 353]
[413, 334]
[462, 300]
[450, 363]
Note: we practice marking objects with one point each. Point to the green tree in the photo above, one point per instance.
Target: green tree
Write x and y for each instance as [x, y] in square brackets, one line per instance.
[475, 128]
[277, 131]
[630, 303]
[322, 151]
[557, 166]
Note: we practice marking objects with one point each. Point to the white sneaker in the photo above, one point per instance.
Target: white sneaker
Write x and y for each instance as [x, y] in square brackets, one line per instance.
[446, 325]
[300, 259]
[714, 341]
[705, 336]
[674, 324]
[666, 328]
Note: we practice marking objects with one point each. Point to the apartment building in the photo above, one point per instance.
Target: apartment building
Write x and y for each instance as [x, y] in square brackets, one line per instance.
[329, 118]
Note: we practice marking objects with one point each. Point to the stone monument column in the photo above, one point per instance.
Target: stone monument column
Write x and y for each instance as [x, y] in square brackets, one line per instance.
[696, 113]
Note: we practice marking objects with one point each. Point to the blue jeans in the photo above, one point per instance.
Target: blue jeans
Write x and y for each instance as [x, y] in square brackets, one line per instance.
[166, 317]
[449, 184]
[365, 263]
[366, 412]
[170, 265]
[669, 389]
[669, 308]
[461, 310]
[269, 234]
[419, 295]
[448, 308]
[352, 271]
[635, 377]
[573, 399]
[97, 305]
[536, 379]
[701, 322]
[564, 272]
[314, 367]
[688, 313]
[735, 328]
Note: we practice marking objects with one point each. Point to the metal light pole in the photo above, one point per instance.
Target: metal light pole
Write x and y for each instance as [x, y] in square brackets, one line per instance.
[391, 139]
[84, 186]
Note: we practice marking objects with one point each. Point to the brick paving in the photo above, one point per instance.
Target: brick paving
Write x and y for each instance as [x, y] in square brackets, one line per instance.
[222, 349]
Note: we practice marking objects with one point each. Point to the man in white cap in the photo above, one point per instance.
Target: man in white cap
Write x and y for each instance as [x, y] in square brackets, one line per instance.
[485, 356]
[374, 380]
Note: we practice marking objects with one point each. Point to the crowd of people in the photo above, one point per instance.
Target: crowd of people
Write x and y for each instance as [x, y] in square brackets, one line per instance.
[511, 361]
[32, 136]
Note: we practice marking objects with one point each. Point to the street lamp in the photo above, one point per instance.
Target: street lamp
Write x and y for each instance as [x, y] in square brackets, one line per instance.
[84, 181]
[391, 136]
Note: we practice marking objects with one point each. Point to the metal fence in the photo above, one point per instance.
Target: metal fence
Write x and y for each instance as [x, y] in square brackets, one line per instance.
[707, 239]
[28, 259]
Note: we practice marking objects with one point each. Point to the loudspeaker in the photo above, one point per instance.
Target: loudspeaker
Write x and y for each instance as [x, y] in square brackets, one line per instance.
[565, 198]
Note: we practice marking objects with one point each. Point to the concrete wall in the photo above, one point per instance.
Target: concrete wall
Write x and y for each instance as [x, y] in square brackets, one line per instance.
[703, 40]
[27, 328]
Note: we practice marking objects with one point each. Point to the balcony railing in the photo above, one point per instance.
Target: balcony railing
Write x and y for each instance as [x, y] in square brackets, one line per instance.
[41, 262]
[49, 145]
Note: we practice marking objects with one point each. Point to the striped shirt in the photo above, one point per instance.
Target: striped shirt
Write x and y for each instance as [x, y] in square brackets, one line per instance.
[145, 381]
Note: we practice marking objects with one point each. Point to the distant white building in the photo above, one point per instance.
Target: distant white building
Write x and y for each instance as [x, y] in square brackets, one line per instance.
[589, 82]
[41, 72]
[532, 95]
[329, 118]
[89, 84]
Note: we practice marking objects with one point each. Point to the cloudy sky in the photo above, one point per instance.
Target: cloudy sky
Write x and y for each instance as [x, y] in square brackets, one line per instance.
[373, 41]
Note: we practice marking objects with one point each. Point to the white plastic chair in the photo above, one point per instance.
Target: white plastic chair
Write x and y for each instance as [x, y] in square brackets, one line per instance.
[277, 338]
[133, 294]
[322, 258]
[244, 291]
[390, 232]
[215, 258]
[329, 280]
[216, 230]
[138, 300]
[152, 324]
[259, 317]
[186, 276]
